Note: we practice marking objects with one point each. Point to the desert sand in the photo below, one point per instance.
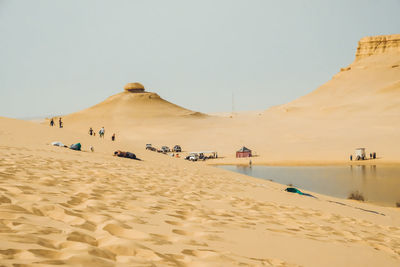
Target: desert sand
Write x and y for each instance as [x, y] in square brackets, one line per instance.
[82, 208]
[65, 207]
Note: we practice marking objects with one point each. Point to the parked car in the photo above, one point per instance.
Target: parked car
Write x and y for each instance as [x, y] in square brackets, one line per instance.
[150, 147]
[192, 157]
[177, 148]
[165, 149]
[202, 155]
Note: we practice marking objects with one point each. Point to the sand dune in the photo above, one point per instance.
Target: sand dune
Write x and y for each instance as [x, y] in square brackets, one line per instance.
[64, 207]
[125, 113]
[122, 109]
[369, 86]
[132, 105]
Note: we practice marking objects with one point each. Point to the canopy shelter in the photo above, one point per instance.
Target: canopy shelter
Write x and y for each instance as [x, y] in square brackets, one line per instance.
[243, 152]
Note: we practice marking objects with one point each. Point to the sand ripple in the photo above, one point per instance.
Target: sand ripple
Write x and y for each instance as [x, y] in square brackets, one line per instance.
[66, 211]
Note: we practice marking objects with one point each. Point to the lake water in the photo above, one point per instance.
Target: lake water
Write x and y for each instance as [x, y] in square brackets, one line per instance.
[378, 184]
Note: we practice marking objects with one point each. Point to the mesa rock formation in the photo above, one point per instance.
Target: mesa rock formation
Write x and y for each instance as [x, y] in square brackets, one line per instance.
[377, 45]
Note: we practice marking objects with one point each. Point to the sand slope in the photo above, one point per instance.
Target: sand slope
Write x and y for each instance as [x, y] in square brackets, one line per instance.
[63, 207]
[370, 86]
[132, 116]
[124, 112]
[132, 105]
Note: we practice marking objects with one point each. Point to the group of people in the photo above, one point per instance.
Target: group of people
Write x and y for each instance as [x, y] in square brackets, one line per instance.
[91, 131]
[60, 123]
[371, 156]
[102, 131]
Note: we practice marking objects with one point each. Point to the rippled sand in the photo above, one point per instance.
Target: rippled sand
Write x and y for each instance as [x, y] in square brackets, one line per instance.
[63, 207]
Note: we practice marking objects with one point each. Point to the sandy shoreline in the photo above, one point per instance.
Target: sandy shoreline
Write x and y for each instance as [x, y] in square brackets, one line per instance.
[309, 168]
[255, 162]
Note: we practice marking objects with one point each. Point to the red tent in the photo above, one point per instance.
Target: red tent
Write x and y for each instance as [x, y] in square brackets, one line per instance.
[244, 152]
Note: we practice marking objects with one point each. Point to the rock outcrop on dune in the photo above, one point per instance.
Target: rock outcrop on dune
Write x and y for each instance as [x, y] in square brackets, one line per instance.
[378, 45]
[134, 88]
[369, 85]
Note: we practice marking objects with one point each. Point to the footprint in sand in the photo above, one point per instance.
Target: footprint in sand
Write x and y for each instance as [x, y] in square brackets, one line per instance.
[201, 253]
[174, 223]
[121, 232]
[87, 225]
[46, 253]
[83, 238]
[8, 253]
[30, 239]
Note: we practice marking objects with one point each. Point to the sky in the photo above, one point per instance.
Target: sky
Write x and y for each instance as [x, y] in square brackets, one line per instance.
[58, 57]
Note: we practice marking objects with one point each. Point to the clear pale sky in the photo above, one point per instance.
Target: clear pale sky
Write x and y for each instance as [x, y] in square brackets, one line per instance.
[58, 57]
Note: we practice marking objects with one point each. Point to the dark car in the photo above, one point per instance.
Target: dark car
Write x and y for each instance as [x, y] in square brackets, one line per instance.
[165, 149]
[177, 148]
[150, 147]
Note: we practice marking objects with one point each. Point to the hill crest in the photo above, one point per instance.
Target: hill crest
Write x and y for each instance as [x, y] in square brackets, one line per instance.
[369, 85]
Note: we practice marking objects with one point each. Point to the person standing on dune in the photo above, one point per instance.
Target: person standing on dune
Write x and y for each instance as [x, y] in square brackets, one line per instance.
[101, 132]
[60, 122]
[52, 122]
[113, 137]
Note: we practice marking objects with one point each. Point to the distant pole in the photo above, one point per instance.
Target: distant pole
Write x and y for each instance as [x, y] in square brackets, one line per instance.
[233, 104]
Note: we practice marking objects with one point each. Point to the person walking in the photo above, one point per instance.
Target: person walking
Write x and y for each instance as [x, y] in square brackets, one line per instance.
[101, 132]
[60, 122]
[52, 122]
[91, 131]
[113, 137]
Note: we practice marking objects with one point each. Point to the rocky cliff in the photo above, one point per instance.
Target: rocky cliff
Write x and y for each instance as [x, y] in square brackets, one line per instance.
[376, 45]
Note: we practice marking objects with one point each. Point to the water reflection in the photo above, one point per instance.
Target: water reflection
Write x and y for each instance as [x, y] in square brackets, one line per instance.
[378, 184]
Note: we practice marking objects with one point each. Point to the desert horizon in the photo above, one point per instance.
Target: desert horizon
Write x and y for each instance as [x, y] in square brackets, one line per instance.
[310, 126]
